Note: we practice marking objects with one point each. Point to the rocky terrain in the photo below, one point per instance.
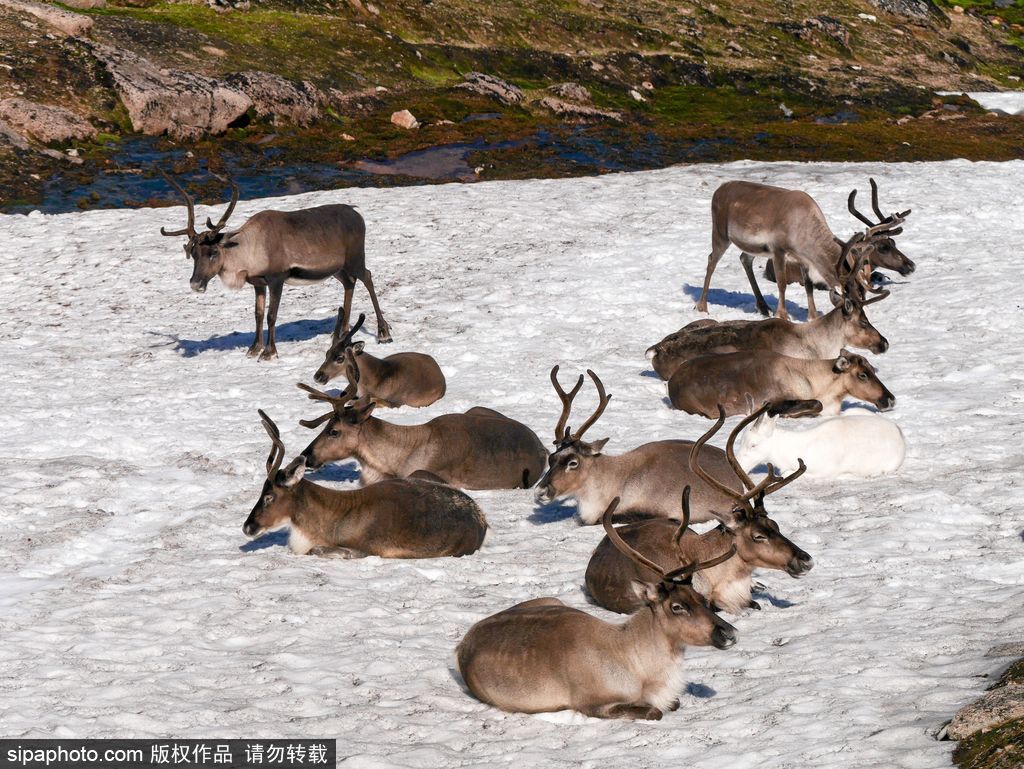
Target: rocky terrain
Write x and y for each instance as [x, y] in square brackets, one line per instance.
[990, 730]
[288, 95]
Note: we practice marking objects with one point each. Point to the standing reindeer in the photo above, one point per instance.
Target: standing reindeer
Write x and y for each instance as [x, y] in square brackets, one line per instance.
[480, 449]
[391, 519]
[885, 255]
[541, 655]
[762, 220]
[402, 379]
[647, 479]
[277, 247]
[665, 545]
[825, 337]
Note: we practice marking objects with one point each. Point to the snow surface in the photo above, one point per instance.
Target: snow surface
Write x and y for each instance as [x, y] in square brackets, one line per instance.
[1010, 102]
[131, 604]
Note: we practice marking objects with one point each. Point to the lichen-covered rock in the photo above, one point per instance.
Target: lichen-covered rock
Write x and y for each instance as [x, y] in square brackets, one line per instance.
[914, 9]
[278, 98]
[85, 4]
[571, 91]
[181, 104]
[496, 88]
[569, 109]
[43, 122]
[997, 706]
[65, 22]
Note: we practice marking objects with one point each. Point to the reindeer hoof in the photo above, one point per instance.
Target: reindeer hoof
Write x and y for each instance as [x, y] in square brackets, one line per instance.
[384, 336]
[651, 714]
[701, 306]
[254, 350]
[674, 705]
[268, 354]
[754, 605]
[764, 310]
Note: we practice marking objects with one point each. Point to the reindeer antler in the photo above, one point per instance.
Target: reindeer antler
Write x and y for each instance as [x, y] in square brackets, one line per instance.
[277, 449]
[561, 432]
[890, 221]
[700, 471]
[351, 332]
[338, 402]
[686, 571]
[231, 206]
[620, 543]
[602, 404]
[190, 228]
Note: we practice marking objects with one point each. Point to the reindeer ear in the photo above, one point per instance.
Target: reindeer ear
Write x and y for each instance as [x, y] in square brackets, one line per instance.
[363, 410]
[357, 347]
[228, 240]
[596, 446]
[730, 519]
[648, 592]
[292, 474]
[842, 363]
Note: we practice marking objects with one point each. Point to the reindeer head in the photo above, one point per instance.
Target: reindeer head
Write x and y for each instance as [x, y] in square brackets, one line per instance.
[861, 382]
[277, 499]
[883, 251]
[756, 537]
[205, 249]
[681, 613]
[857, 329]
[340, 438]
[571, 461]
[342, 357]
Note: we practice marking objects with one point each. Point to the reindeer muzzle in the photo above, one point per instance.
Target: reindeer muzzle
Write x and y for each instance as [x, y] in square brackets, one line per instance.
[199, 286]
[907, 267]
[799, 564]
[251, 528]
[320, 377]
[881, 347]
[723, 636]
[887, 402]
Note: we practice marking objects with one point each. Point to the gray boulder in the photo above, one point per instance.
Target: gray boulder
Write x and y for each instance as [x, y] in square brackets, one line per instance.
[496, 88]
[996, 707]
[44, 123]
[913, 9]
[278, 98]
[181, 104]
[65, 22]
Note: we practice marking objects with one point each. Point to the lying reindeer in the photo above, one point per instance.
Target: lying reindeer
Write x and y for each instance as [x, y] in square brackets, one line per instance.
[701, 384]
[665, 545]
[278, 247]
[541, 655]
[391, 519]
[647, 479]
[762, 220]
[481, 449]
[851, 446]
[824, 337]
[884, 256]
[402, 379]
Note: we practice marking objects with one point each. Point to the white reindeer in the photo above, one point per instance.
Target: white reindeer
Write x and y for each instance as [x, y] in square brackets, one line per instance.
[856, 445]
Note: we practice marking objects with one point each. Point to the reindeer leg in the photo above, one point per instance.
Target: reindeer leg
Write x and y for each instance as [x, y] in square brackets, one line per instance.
[341, 327]
[748, 267]
[261, 300]
[779, 263]
[625, 710]
[275, 299]
[719, 245]
[812, 311]
[383, 329]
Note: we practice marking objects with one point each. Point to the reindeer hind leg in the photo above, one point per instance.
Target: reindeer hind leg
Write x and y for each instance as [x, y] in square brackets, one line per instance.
[719, 245]
[261, 301]
[383, 329]
[748, 267]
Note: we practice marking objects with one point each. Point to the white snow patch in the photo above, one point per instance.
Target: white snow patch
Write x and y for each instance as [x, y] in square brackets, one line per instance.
[133, 604]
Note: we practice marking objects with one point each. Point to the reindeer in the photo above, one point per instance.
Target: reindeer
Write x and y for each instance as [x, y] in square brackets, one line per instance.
[277, 247]
[823, 337]
[480, 449]
[541, 655]
[849, 446]
[763, 220]
[391, 519]
[700, 384]
[885, 255]
[647, 479]
[402, 379]
[663, 543]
